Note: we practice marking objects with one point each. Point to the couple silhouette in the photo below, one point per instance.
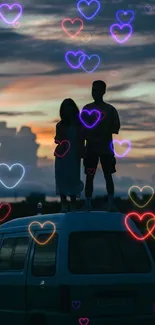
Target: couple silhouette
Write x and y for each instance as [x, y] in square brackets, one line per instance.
[89, 144]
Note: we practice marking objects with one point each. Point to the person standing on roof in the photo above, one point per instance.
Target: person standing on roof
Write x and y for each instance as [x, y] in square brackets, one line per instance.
[99, 144]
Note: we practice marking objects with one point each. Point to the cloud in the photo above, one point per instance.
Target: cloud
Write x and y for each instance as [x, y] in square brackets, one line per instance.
[31, 113]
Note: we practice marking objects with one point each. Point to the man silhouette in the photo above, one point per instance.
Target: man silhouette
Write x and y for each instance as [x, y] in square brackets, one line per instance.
[99, 144]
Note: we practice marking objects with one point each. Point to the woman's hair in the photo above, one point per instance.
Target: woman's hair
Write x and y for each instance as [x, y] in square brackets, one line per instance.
[69, 111]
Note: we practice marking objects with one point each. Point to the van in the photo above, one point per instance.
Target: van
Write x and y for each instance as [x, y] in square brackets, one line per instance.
[91, 272]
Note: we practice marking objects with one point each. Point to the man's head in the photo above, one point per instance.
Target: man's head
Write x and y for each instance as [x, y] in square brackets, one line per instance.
[98, 90]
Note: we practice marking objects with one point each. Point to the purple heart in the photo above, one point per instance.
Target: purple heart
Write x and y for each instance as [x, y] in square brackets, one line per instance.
[119, 12]
[120, 143]
[88, 3]
[69, 53]
[76, 304]
[89, 113]
[10, 8]
[89, 58]
[120, 27]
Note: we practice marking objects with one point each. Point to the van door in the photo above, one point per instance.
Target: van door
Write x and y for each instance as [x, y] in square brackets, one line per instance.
[42, 281]
[13, 259]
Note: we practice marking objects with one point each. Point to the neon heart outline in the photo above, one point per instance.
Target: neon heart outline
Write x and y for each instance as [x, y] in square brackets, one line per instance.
[83, 319]
[102, 117]
[89, 113]
[125, 12]
[147, 226]
[16, 164]
[121, 27]
[89, 169]
[120, 143]
[60, 142]
[83, 37]
[72, 22]
[75, 54]
[88, 3]
[9, 211]
[139, 217]
[10, 8]
[141, 189]
[89, 58]
[42, 226]
[75, 302]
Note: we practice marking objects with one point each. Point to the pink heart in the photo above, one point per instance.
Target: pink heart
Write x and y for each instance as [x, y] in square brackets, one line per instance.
[60, 143]
[72, 21]
[84, 321]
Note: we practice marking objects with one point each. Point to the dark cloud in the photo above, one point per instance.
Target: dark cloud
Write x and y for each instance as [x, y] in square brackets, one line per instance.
[17, 113]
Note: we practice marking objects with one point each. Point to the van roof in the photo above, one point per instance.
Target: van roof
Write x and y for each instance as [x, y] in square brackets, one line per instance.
[94, 220]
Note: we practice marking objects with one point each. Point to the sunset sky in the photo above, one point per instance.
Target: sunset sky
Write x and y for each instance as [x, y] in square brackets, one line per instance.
[35, 78]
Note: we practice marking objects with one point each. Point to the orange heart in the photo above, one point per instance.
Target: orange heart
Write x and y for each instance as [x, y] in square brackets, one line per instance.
[141, 189]
[86, 38]
[42, 226]
[147, 226]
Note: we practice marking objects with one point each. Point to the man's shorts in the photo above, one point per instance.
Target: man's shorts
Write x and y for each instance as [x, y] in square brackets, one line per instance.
[108, 163]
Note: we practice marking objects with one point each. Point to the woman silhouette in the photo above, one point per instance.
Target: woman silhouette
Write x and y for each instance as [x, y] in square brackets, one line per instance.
[68, 154]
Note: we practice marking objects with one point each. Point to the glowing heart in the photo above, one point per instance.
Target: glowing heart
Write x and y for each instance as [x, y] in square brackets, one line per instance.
[75, 54]
[140, 189]
[42, 226]
[88, 4]
[121, 27]
[60, 143]
[148, 8]
[8, 7]
[83, 321]
[114, 73]
[84, 56]
[148, 228]
[72, 21]
[93, 111]
[76, 304]
[120, 143]
[16, 24]
[8, 211]
[86, 38]
[91, 171]
[125, 13]
[103, 115]
[140, 218]
[10, 168]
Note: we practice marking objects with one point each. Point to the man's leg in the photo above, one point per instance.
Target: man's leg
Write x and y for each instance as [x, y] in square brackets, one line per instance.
[73, 203]
[109, 187]
[64, 203]
[108, 166]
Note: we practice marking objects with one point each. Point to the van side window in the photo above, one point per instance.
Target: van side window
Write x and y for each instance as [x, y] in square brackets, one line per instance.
[20, 253]
[6, 252]
[44, 257]
[106, 252]
[13, 253]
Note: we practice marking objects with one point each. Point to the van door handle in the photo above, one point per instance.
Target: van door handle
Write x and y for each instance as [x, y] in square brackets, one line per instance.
[42, 283]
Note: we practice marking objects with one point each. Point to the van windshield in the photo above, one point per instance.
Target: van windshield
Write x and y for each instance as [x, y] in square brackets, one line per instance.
[102, 252]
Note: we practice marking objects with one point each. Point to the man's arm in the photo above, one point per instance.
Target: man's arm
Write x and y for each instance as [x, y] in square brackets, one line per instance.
[115, 122]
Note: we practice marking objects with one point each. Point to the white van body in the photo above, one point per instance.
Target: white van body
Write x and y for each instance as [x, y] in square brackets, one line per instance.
[98, 273]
